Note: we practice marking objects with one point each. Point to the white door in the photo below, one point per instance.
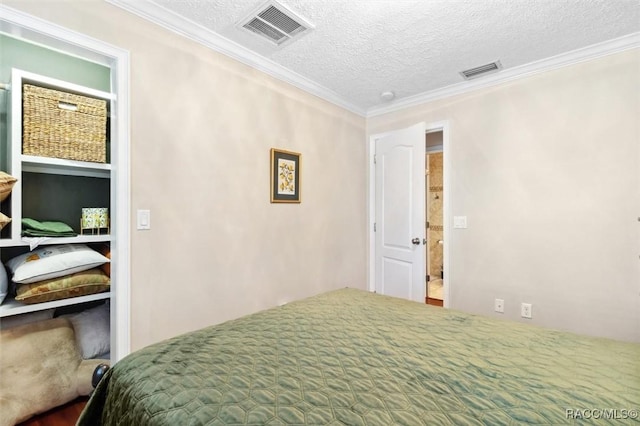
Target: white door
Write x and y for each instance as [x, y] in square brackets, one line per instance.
[400, 213]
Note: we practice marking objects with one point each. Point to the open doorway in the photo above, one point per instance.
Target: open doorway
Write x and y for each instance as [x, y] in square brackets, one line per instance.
[434, 208]
[397, 216]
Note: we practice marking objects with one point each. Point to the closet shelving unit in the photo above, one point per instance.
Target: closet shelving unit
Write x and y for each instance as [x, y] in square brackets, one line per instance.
[19, 163]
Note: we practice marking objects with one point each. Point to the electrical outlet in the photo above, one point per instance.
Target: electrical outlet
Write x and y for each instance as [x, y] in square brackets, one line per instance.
[499, 306]
[525, 310]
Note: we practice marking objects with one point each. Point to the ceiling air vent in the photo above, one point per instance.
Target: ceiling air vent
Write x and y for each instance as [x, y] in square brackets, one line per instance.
[481, 70]
[276, 23]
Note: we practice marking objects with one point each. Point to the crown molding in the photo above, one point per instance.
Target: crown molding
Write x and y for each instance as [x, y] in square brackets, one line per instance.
[588, 53]
[169, 20]
[159, 15]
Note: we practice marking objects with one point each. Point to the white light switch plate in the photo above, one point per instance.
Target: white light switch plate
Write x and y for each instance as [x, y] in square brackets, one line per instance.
[144, 219]
[460, 222]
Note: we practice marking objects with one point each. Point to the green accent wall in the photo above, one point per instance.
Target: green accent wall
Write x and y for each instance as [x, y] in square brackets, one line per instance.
[16, 53]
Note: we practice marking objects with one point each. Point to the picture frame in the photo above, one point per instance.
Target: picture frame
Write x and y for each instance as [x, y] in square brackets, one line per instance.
[285, 176]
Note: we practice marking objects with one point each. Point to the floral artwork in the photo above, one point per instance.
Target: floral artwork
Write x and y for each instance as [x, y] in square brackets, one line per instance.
[285, 176]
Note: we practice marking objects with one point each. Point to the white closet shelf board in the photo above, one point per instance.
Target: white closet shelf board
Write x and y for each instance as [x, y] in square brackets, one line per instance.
[12, 307]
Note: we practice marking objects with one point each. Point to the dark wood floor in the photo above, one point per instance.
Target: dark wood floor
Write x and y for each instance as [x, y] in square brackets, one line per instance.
[65, 415]
[434, 302]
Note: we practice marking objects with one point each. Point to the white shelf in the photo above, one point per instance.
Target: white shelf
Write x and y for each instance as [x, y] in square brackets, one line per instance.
[53, 83]
[61, 166]
[13, 307]
[80, 239]
[7, 242]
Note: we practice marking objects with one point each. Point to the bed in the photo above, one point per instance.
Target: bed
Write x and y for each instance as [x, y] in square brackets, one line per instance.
[358, 358]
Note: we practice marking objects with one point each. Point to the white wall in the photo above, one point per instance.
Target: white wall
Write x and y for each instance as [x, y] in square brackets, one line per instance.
[547, 170]
[202, 126]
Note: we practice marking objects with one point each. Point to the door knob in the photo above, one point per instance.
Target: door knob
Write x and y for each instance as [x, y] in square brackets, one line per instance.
[416, 241]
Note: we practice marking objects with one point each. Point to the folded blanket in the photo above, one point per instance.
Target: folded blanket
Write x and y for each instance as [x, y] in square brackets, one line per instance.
[34, 228]
[34, 233]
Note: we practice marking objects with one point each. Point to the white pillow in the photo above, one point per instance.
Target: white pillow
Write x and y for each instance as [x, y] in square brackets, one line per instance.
[53, 262]
[92, 329]
[4, 283]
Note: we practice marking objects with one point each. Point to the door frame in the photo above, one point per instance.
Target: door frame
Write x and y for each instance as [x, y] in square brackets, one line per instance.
[53, 36]
[444, 127]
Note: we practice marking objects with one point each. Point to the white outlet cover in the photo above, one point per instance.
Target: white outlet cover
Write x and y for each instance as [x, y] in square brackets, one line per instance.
[144, 219]
[499, 306]
[460, 222]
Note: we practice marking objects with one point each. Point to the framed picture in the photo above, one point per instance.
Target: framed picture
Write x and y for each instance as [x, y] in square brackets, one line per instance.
[285, 176]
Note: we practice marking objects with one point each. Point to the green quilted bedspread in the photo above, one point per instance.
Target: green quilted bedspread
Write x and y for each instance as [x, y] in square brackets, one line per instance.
[356, 358]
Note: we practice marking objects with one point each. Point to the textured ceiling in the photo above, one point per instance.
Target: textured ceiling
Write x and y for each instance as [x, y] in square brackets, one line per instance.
[360, 48]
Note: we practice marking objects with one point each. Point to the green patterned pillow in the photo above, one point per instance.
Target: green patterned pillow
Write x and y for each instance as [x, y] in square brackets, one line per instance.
[78, 284]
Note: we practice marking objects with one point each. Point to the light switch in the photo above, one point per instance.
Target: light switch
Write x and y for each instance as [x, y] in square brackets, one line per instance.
[144, 219]
[460, 222]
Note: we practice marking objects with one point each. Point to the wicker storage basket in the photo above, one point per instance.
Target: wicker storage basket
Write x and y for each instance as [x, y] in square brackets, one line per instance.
[63, 125]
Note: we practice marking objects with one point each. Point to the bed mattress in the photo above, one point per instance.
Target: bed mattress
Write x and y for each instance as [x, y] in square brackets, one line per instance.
[357, 358]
